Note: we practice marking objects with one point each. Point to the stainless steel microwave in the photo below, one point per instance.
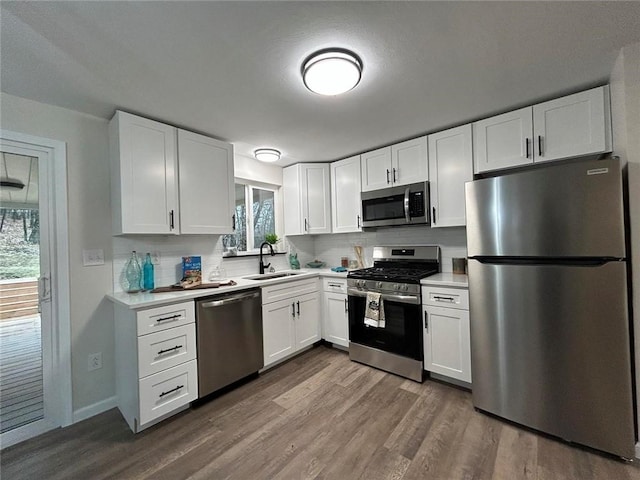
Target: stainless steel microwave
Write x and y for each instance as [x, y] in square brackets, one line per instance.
[403, 205]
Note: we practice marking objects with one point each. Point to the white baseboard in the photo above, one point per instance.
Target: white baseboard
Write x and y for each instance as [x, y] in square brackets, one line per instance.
[91, 410]
[638, 450]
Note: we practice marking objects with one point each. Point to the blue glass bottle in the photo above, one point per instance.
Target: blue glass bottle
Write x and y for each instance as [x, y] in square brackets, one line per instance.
[147, 270]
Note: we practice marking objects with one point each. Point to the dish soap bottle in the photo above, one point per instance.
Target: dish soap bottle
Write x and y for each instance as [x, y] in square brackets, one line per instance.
[133, 273]
[147, 271]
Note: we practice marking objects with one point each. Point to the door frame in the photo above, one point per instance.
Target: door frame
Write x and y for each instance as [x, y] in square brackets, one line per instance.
[54, 153]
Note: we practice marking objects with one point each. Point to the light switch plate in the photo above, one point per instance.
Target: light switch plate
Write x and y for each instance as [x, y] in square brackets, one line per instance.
[92, 257]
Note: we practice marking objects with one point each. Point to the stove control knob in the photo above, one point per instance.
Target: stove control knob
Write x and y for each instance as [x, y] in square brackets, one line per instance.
[405, 287]
[379, 284]
[396, 286]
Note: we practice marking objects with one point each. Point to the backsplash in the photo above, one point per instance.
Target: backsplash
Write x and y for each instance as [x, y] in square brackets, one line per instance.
[452, 242]
[173, 248]
[328, 248]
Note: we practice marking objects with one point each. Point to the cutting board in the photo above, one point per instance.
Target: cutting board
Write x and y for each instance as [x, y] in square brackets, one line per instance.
[178, 288]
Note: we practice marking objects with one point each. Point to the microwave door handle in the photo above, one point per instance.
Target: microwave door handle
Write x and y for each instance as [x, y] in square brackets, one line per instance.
[407, 216]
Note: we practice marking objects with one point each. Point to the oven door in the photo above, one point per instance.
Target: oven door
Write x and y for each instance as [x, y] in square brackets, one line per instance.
[402, 333]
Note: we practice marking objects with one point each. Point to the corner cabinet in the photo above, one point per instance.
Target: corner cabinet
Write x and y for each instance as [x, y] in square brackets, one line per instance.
[144, 192]
[450, 167]
[206, 174]
[290, 318]
[400, 164]
[168, 181]
[446, 332]
[346, 206]
[566, 127]
[307, 199]
[156, 366]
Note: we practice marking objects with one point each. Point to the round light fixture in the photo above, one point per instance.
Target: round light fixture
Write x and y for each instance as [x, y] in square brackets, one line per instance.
[267, 154]
[332, 71]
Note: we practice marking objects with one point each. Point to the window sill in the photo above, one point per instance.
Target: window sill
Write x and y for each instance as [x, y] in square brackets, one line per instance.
[249, 254]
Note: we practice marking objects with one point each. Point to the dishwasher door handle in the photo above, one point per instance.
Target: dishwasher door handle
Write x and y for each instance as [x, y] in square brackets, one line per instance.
[230, 300]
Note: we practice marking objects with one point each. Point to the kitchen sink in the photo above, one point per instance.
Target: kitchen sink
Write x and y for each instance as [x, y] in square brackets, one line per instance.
[269, 276]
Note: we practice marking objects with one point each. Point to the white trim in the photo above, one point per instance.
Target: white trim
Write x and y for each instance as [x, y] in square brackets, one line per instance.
[95, 409]
[57, 153]
[26, 432]
[638, 450]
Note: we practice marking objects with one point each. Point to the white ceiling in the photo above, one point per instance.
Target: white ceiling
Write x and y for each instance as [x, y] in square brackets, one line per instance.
[232, 69]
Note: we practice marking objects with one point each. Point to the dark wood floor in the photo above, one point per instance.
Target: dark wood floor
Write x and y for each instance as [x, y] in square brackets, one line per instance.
[318, 416]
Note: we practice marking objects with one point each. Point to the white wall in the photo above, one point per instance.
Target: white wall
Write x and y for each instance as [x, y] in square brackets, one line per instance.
[625, 114]
[89, 227]
[452, 242]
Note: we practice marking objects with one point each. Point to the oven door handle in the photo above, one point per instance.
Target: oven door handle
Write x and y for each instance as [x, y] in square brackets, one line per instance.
[411, 299]
[407, 215]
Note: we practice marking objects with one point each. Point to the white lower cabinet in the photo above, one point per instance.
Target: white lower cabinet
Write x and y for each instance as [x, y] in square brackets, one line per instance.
[447, 345]
[290, 318]
[335, 312]
[156, 366]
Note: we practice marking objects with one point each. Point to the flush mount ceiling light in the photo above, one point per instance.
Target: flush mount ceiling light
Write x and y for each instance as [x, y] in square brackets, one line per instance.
[267, 154]
[332, 71]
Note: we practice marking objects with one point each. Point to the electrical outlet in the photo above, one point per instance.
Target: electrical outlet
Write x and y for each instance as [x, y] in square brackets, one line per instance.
[95, 361]
[155, 258]
[93, 257]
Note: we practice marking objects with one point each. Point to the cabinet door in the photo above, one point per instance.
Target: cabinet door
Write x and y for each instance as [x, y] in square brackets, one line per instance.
[571, 126]
[143, 160]
[346, 207]
[376, 169]
[335, 319]
[292, 196]
[316, 198]
[447, 349]
[450, 166]
[409, 161]
[503, 141]
[206, 184]
[278, 330]
[307, 320]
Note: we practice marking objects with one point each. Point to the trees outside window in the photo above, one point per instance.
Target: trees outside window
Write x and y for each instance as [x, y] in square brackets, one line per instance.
[255, 216]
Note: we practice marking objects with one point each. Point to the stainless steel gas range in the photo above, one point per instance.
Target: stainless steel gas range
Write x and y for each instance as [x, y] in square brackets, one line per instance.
[395, 275]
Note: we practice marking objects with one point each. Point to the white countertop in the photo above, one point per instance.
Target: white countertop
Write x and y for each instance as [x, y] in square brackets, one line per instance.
[141, 300]
[447, 280]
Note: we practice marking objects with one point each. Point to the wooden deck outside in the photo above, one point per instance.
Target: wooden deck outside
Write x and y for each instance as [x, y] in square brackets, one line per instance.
[18, 298]
[21, 388]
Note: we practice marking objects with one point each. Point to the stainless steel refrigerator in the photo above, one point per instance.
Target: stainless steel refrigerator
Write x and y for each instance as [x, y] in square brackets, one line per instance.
[550, 341]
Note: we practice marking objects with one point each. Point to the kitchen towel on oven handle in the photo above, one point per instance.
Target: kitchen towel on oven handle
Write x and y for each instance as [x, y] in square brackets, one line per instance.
[374, 313]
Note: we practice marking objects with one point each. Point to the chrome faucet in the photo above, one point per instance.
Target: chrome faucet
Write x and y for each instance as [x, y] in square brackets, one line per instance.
[262, 265]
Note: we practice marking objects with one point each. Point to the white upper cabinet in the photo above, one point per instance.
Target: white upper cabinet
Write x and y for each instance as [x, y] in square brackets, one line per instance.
[307, 200]
[346, 207]
[144, 190]
[450, 166]
[571, 126]
[168, 181]
[399, 164]
[409, 162]
[503, 141]
[376, 169]
[206, 184]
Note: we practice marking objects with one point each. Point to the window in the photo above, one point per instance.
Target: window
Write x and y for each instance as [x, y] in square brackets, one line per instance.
[251, 229]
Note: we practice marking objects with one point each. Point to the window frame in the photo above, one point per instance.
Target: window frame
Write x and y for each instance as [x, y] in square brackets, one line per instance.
[249, 187]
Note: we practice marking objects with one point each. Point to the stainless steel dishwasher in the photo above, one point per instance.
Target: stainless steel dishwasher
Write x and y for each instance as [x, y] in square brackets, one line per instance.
[229, 336]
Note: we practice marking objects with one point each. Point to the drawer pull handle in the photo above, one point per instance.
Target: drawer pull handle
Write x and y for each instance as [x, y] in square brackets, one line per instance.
[171, 391]
[335, 285]
[448, 299]
[177, 347]
[164, 319]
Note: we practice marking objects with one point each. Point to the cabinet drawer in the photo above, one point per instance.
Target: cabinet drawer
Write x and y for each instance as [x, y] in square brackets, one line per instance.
[168, 348]
[168, 390]
[167, 316]
[446, 297]
[337, 285]
[286, 290]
